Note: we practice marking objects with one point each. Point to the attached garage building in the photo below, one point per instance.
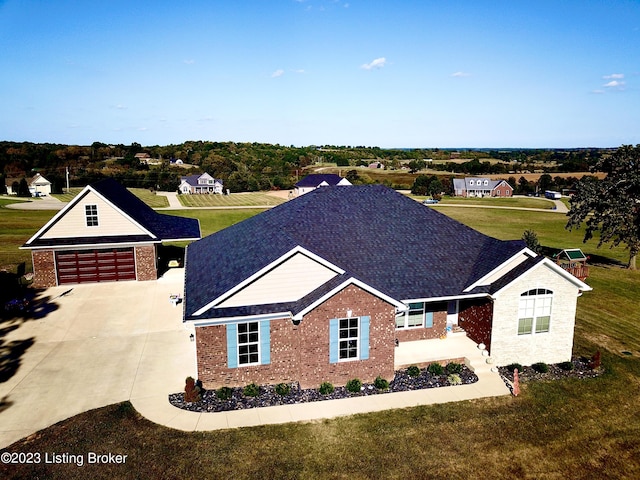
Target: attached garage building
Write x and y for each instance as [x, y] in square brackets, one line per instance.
[104, 234]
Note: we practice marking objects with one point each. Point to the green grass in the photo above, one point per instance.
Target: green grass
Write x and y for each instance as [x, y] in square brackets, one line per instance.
[519, 202]
[212, 221]
[252, 199]
[580, 429]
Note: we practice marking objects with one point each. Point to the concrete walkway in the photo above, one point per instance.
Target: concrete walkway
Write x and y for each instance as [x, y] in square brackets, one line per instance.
[94, 345]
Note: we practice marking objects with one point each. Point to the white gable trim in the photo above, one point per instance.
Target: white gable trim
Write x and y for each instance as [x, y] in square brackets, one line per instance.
[483, 280]
[351, 281]
[78, 198]
[559, 270]
[445, 299]
[266, 269]
[247, 318]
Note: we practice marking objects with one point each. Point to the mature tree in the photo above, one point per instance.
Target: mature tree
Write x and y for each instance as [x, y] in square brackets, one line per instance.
[23, 189]
[531, 239]
[611, 206]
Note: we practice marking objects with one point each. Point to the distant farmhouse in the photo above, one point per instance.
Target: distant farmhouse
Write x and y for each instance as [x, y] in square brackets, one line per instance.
[481, 187]
[311, 182]
[198, 184]
[38, 186]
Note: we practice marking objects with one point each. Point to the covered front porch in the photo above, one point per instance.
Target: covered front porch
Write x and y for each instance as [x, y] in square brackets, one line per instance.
[454, 347]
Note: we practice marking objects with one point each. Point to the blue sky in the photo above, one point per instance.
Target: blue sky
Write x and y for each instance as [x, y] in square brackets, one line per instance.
[312, 72]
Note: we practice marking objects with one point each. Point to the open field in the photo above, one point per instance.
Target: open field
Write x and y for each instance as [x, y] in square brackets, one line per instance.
[580, 429]
[248, 199]
[514, 202]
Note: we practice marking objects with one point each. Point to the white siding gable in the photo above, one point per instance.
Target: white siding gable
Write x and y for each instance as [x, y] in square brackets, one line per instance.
[111, 221]
[289, 281]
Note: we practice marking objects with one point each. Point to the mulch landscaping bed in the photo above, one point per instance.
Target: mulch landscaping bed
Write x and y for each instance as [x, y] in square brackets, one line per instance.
[268, 397]
[581, 369]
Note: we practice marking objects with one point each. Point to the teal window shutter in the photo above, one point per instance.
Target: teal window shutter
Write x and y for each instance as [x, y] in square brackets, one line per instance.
[232, 345]
[364, 337]
[334, 354]
[428, 319]
[265, 342]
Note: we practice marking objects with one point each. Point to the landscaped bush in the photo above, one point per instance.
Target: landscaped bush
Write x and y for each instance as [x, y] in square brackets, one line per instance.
[326, 388]
[454, 379]
[435, 369]
[251, 390]
[224, 393]
[454, 368]
[413, 371]
[566, 366]
[354, 385]
[540, 367]
[380, 383]
[512, 366]
[283, 389]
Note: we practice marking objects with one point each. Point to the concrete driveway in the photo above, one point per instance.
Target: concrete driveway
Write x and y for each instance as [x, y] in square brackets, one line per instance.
[97, 345]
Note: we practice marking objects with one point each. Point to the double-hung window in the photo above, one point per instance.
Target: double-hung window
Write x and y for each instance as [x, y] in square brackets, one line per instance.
[248, 343]
[534, 311]
[349, 335]
[91, 215]
[418, 315]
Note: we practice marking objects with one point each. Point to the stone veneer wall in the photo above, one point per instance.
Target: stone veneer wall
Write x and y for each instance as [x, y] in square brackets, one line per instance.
[553, 346]
[44, 268]
[146, 262]
[301, 353]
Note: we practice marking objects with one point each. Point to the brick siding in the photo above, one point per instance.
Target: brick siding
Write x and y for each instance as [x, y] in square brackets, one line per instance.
[44, 269]
[301, 353]
[146, 262]
[475, 318]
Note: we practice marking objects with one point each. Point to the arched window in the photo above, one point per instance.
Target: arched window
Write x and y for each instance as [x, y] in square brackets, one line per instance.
[534, 311]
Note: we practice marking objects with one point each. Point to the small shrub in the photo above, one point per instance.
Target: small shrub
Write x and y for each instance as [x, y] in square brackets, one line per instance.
[326, 388]
[251, 390]
[454, 379]
[413, 371]
[540, 367]
[283, 389]
[224, 393]
[354, 385]
[454, 368]
[566, 366]
[512, 366]
[435, 369]
[380, 383]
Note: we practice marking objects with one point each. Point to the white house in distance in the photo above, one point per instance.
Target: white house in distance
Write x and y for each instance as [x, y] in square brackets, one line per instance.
[38, 186]
[481, 187]
[311, 182]
[198, 184]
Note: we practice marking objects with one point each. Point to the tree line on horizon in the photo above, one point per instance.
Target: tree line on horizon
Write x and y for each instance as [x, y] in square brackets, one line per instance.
[258, 166]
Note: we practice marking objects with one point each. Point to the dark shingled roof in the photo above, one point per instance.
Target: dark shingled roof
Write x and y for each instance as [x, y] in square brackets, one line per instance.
[316, 179]
[164, 227]
[378, 236]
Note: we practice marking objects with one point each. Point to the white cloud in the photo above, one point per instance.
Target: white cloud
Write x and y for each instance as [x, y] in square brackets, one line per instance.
[614, 76]
[277, 73]
[460, 74]
[377, 63]
[614, 84]
[189, 61]
[300, 70]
